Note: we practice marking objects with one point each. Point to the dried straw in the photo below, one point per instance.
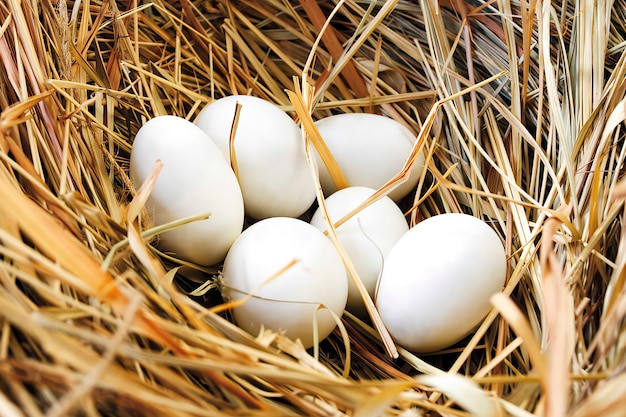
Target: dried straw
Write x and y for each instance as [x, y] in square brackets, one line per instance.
[518, 107]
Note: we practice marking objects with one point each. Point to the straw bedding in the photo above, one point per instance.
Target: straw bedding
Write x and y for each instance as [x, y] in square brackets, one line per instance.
[518, 105]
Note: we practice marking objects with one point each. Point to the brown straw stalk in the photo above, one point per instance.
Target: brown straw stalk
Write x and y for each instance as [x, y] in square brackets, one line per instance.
[517, 105]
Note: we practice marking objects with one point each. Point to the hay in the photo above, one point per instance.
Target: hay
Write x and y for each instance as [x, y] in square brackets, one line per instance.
[519, 108]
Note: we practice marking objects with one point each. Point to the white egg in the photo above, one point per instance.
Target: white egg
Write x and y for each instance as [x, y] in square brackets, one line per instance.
[195, 179]
[313, 285]
[438, 279]
[367, 237]
[370, 150]
[272, 169]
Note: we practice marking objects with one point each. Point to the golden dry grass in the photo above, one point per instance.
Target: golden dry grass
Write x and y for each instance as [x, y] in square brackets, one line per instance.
[519, 107]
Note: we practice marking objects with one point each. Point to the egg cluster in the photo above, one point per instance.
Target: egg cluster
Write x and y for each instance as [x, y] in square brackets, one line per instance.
[431, 284]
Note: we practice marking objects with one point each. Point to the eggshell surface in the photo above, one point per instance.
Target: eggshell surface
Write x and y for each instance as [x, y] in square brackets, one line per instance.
[367, 237]
[289, 301]
[272, 168]
[370, 150]
[195, 179]
[438, 279]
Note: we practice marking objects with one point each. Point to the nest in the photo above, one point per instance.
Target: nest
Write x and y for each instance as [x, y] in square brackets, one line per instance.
[518, 107]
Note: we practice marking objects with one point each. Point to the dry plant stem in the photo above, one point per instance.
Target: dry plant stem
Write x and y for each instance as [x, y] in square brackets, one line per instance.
[329, 38]
[372, 90]
[66, 250]
[347, 55]
[371, 101]
[158, 273]
[9, 408]
[90, 379]
[318, 142]
[16, 114]
[233, 304]
[134, 208]
[417, 147]
[79, 78]
[302, 105]
[87, 275]
[147, 234]
[231, 140]
[507, 308]
[560, 318]
[377, 404]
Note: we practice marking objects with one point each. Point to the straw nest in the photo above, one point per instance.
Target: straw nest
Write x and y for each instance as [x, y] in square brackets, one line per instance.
[518, 105]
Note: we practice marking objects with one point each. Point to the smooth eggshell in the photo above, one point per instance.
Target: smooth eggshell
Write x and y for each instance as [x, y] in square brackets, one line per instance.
[195, 179]
[367, 237]
[370, 150]
[273, 172]
[289, 301]
[438, 279]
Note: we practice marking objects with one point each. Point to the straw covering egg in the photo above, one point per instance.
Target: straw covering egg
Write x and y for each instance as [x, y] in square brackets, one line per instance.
[370, 150]
[194, 180]
[271, 162]
[438, 279]
[294, 275]
[367, 237]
